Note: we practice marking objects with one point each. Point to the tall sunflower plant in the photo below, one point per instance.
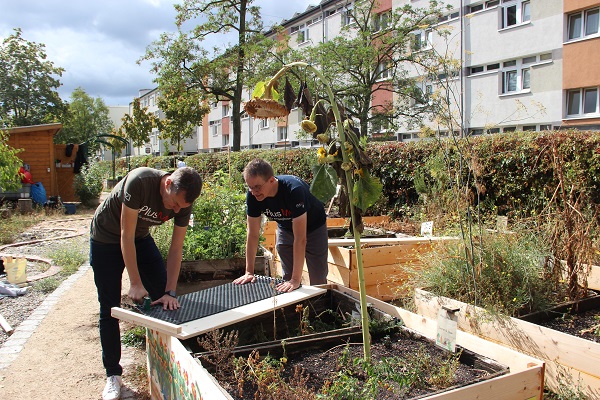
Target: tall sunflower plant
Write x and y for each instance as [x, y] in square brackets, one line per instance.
[339, 147]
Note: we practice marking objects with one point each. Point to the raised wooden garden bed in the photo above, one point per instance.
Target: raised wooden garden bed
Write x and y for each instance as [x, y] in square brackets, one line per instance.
[386, 261]
[570, 360]
[175, 373]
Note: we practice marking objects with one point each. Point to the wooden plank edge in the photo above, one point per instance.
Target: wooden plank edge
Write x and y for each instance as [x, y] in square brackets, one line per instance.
[515, 360]
[145, 321]
[521, 385]
[383, 241]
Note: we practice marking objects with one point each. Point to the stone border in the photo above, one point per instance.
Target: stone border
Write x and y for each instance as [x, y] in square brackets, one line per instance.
[14, 344]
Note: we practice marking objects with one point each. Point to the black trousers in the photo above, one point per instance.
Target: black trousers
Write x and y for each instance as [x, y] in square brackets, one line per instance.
[108, 265]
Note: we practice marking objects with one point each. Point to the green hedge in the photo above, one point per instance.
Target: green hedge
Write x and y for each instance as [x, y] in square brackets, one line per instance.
[514, 173]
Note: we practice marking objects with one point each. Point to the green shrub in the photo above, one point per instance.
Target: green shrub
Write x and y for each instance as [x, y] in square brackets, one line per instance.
[219, 230]
[88, 183]
[507, 274]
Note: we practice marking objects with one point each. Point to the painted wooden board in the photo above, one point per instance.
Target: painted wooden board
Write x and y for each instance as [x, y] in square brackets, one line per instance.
[225, 318]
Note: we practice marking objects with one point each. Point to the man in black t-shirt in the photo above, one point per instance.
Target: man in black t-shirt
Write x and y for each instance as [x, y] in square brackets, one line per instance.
[301, 225]
[120, 238]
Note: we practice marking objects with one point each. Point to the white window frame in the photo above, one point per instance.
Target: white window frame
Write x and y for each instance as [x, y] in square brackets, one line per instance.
[384, 71]
[226, 110]
[213, 126]
[585, 24]
[422, 40]
[263, 123]
[382, 21]
[303, 33]
[282, 133]
[519, 9]
[225, 140]
[427, 91]
[518, 72]
[581, 95]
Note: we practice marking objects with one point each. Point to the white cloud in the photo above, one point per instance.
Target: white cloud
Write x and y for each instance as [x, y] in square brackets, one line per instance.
[99, 42]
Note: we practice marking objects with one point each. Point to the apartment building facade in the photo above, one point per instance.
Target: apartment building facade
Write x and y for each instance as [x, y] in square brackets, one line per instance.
[529, 65]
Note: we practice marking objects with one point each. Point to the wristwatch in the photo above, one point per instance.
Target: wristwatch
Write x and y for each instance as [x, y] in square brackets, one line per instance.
[171, 293]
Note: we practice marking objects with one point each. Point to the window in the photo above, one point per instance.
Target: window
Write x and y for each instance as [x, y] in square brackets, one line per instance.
[383, 71]
[263, 123]
[282, 133]
[213, 127]
[546, 127]
[525, 80]
[347, 17]
[225, 140]
[491, 3]
[528, 128]
[423, 96]
[582, 101]
[515, 12]
[583, 23]
[475, 8]
[302, 31]
[226, 110]
[492, 67]
[476, 70]
[509, 129]
[546, 57]
[515, 77]
[422, 40]
[381, 21]
[475, 132]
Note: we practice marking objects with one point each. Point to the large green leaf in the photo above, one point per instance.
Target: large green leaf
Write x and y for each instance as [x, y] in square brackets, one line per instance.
[324, 183]
[366, 191]
[259, 90]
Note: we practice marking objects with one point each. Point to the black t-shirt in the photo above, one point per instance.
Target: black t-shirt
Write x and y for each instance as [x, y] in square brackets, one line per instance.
[293, 199]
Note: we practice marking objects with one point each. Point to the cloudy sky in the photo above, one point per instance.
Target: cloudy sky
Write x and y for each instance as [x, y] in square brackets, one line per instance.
[99, 42]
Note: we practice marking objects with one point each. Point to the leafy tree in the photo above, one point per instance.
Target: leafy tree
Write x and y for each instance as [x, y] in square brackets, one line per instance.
[137, 127]
[9, 164]
[372, 55]
[28, 83]
[182, 110]
[223, 72]
[86, 118]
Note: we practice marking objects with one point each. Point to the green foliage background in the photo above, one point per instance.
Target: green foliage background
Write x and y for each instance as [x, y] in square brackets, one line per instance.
[514, 172]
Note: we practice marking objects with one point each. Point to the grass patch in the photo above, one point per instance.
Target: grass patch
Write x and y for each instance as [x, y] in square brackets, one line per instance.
[47, 285]
[135, 337]
[11, 227]
[70, 258]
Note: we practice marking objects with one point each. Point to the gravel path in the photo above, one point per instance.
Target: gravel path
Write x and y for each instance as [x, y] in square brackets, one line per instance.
[60, 356]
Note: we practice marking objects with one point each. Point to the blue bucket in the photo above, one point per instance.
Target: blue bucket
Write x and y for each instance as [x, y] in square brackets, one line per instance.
[70, 208]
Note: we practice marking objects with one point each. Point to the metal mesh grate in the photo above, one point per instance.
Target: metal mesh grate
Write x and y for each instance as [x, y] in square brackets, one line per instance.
[215, 300]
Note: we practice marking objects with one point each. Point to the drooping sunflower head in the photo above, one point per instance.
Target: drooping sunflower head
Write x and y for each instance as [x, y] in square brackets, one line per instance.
[265, 108]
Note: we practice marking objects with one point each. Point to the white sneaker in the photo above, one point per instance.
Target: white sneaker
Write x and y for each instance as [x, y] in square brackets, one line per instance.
[112, 390]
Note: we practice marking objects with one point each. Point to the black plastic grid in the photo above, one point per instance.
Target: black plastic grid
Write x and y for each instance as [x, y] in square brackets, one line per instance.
[215, 300]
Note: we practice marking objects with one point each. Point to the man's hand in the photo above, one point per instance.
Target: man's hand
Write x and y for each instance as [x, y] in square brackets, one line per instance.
[247, 277]
[168, 302]
[288, 286]
[137, 293]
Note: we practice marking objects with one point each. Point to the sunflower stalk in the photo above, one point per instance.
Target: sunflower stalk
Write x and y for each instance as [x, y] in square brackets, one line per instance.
[342, 130]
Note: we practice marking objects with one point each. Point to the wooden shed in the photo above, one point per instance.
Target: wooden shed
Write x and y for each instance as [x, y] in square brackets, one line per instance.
[41, 154]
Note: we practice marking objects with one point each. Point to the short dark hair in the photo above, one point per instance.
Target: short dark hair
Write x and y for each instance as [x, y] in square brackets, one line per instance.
[188, 180]
[259, 167]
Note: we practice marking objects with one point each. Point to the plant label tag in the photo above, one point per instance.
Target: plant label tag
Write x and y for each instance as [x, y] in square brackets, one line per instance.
[427, 228]
[446, 330]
